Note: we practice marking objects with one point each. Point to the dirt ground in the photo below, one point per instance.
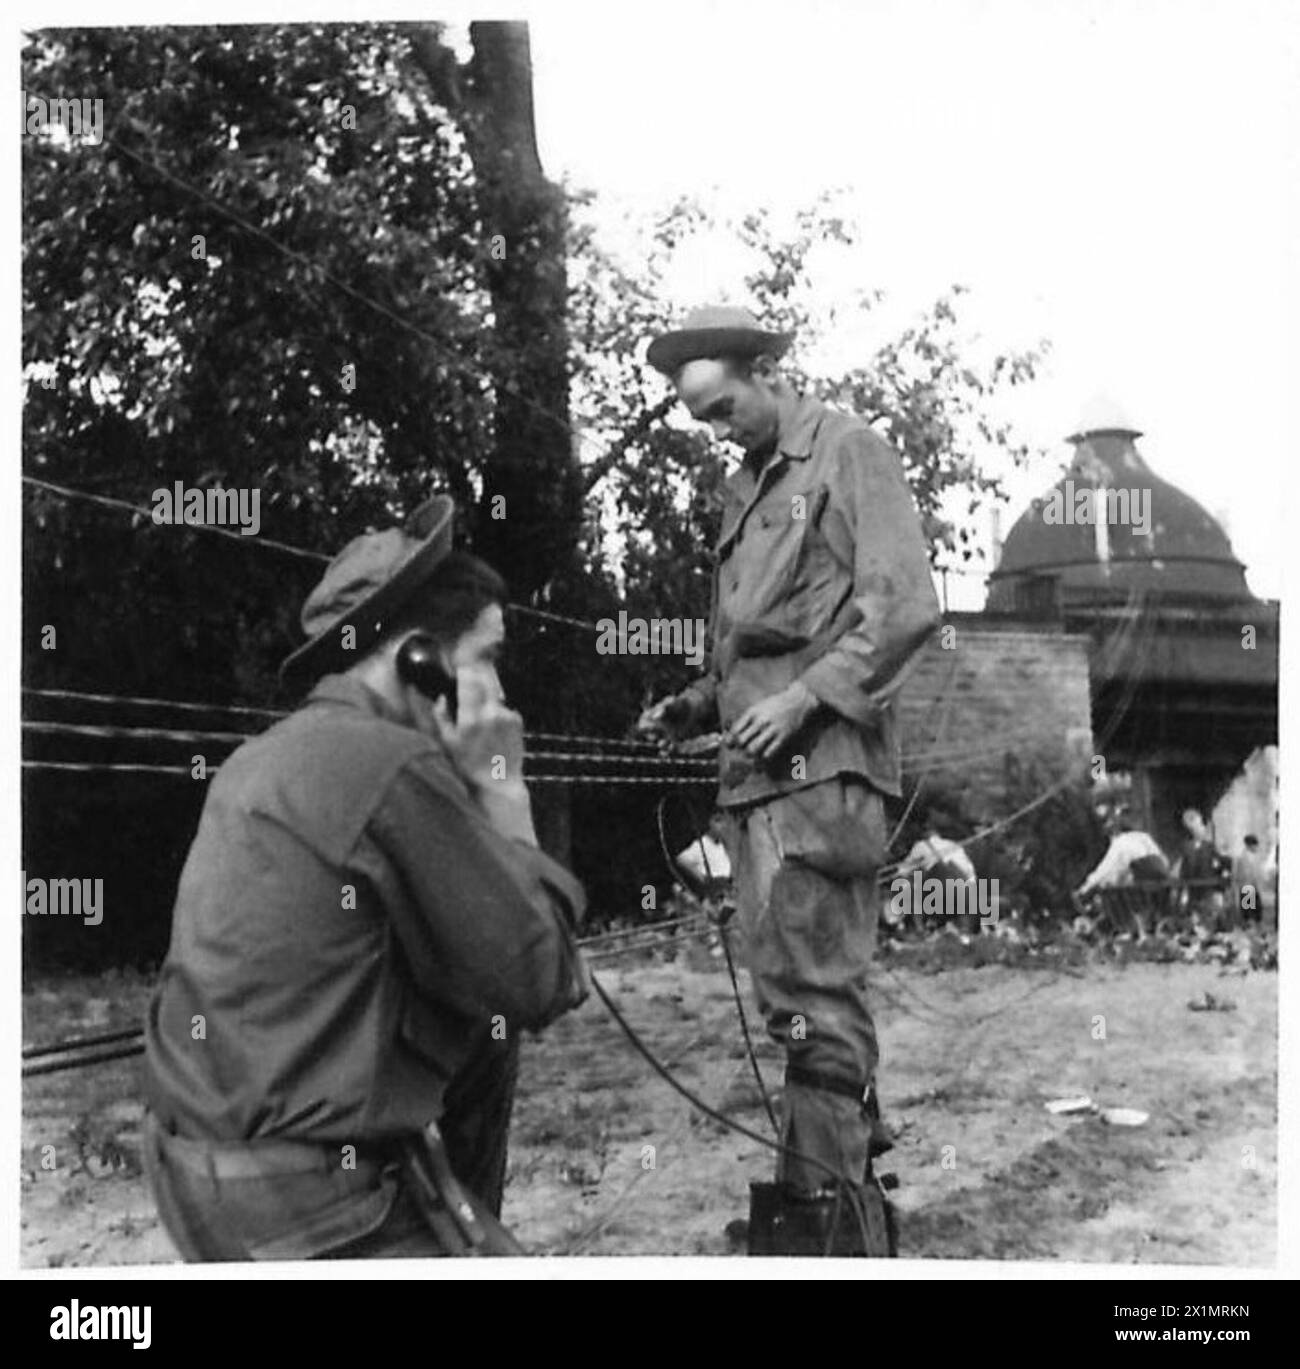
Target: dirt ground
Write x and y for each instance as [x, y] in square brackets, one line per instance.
[970, 1057]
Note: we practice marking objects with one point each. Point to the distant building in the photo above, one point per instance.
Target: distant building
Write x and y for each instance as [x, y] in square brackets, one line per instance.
[1118, 622]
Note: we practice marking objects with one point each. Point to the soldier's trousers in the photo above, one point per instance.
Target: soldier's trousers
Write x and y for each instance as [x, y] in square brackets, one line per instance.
[289, 1200]
[805, 867]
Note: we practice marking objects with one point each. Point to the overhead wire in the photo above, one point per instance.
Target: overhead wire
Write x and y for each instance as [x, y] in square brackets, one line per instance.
[100, 1058]
[546, 615]
[650, 765]
[118, 733]
[124, 767]
[110, 1038]
[210, 768]
[630, 745]
[69, 492]
[109, 501]
[179, 705]
[605, 750]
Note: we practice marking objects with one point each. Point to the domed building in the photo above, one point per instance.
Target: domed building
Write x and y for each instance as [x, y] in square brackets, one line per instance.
[1117, 624]
[1182, 661]
[1152, 542]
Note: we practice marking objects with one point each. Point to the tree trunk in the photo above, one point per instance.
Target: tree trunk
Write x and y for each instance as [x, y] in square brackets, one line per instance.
[534, 468]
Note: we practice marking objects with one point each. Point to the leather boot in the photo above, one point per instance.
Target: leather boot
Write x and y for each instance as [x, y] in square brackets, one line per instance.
[882, 1134]
[884, 1185]
[881, 1142]
[784, 1221]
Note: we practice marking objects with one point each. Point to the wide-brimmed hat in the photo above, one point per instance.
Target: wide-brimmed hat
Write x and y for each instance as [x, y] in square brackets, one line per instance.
[364, 586]
[716, 330]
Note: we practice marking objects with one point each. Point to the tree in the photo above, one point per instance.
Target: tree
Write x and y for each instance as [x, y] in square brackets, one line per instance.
[269, 277]
[533, 471]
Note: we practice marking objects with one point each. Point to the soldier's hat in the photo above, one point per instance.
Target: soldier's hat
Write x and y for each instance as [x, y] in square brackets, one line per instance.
[716, 330]
[364, 587]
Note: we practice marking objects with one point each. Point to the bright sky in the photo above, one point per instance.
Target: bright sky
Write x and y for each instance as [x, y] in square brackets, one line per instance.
[1111, 176]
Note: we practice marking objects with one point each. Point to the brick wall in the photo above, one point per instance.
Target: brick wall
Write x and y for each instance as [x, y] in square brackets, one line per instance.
[991, 693]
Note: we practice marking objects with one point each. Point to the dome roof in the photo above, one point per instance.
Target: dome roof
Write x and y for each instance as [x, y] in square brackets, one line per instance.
[1153, 538]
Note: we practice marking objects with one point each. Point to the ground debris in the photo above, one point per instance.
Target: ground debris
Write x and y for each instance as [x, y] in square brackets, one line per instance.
[1209, 1003]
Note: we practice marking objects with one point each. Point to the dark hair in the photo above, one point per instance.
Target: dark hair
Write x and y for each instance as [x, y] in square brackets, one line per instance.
[449, 602]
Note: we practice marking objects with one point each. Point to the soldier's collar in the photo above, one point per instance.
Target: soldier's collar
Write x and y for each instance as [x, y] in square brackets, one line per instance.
[347, 689]
[796, 436]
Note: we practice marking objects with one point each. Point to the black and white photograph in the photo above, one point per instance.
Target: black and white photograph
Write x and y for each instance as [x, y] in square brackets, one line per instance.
[649, 640]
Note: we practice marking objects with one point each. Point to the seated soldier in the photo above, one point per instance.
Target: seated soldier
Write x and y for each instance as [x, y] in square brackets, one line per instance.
[363, 928]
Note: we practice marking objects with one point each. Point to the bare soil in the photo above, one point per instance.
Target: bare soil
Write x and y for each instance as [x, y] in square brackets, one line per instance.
[970, 1057]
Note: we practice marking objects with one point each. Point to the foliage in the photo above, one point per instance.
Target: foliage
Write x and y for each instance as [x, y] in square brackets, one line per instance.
[149, 364]
[1043, 856]
[343, 224]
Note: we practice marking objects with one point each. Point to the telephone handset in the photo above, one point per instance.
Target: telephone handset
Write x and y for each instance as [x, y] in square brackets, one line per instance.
[419, 663]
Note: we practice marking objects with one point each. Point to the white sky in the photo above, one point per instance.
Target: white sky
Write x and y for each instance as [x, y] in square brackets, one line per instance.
[1113, 177]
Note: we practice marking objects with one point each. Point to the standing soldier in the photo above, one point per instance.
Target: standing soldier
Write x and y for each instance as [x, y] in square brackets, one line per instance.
[822, 595]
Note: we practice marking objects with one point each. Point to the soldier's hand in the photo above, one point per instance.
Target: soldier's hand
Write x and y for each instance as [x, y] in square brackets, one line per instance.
[486, 741]
[668, 720]
[763, 729]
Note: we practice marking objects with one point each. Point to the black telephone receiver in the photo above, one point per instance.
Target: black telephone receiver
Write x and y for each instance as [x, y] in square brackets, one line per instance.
[419, 664]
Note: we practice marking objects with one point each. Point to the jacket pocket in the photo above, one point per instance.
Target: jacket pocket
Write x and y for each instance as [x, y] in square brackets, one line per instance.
[836, 828]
